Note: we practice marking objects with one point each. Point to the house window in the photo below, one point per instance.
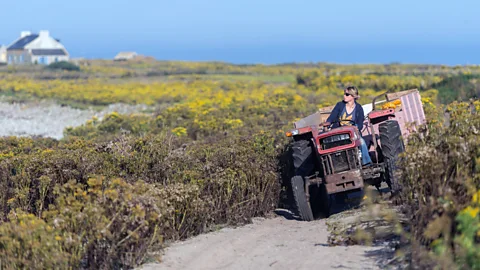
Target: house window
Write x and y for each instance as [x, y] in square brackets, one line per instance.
[10, 59]
[21, 58]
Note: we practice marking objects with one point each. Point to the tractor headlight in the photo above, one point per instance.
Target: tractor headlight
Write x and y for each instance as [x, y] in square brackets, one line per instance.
[291, 133]
[336, 138]
[335, 141]
[344, 137]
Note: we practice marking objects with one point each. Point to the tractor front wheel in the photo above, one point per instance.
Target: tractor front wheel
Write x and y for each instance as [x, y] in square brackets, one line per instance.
[300, 197]
[302, 157]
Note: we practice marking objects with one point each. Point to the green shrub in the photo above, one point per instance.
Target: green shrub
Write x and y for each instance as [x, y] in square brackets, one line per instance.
[28, 242]
[107, 224]
[110, 202]
[467, 239]
[63, 65]
[440, 173]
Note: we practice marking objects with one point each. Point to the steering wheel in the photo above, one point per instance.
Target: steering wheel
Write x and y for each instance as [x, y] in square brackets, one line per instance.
[328, 125]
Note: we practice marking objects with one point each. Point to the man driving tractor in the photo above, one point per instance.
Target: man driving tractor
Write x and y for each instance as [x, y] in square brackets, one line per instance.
[349, 112]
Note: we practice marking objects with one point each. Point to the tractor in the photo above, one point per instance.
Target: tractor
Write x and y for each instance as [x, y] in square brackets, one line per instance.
[327, 161]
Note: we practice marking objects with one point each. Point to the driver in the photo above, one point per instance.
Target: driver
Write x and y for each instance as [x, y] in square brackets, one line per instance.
[349, 112]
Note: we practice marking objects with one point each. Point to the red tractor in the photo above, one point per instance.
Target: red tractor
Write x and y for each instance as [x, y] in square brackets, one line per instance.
[327, 161]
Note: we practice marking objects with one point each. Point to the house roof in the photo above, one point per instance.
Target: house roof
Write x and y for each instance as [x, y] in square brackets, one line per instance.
[126, 54]
[22, 42]
[48, 52]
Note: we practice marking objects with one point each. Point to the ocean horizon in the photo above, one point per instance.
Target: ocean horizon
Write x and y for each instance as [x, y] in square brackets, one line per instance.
[269, 55]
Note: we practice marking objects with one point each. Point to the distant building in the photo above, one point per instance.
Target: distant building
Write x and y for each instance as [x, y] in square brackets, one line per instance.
[79, 61]
[38, 48]
[3, 54]
[124, 56]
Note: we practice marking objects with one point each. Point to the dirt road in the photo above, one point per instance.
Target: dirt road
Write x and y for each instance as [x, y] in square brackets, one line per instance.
[277, 243]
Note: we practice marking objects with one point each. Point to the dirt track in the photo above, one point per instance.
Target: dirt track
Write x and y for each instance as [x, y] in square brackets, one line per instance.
[48, 119]
[277, 243]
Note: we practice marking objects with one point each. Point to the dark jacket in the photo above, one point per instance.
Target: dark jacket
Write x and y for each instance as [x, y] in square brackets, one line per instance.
[337, 111]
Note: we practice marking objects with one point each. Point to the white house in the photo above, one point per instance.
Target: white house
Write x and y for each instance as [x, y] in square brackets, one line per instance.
[124, 56]
[38, 48]
[3, 54]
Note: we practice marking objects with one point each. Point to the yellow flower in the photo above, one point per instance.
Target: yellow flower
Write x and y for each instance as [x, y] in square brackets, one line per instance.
[392, 104]
[111, 194]
[179, 131]
[47, 151]
[233, 123]
[473, 212]
[476, 196]
[113, 115]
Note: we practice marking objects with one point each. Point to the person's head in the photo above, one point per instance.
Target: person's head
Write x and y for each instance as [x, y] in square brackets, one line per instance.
[350, 93]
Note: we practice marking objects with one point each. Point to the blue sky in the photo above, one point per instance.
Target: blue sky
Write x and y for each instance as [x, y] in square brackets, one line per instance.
[263, 31]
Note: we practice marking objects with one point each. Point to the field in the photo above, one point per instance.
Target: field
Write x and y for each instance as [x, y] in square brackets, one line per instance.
[210, 151]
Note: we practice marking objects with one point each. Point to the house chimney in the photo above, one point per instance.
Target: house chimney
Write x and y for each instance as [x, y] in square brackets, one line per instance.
[44, 33]
[25, 33]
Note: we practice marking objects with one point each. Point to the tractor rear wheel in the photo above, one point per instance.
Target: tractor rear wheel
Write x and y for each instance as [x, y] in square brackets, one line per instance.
[392, 147]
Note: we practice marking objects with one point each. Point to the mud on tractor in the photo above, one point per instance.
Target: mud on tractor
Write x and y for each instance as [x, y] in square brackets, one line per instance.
[327, 161]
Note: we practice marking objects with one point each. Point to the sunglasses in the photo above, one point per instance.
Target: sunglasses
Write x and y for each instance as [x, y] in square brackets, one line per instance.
[346, 94]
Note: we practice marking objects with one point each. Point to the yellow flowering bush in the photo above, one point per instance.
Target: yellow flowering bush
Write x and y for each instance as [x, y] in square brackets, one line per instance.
[106, 203]
[179, 131]
[28, 242]
[441, 183]
[392, 104]
[210, 151]
[468, 237]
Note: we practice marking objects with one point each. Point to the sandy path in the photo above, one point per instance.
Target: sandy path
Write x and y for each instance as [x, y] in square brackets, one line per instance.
[277, 243]
[48, 119]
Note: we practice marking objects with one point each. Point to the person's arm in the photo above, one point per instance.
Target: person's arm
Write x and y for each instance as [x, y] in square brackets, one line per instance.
[360, 117]
[334, 115]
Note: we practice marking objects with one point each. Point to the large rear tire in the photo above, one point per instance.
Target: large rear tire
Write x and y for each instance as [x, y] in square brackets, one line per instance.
[304, 210]
[392, 147]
